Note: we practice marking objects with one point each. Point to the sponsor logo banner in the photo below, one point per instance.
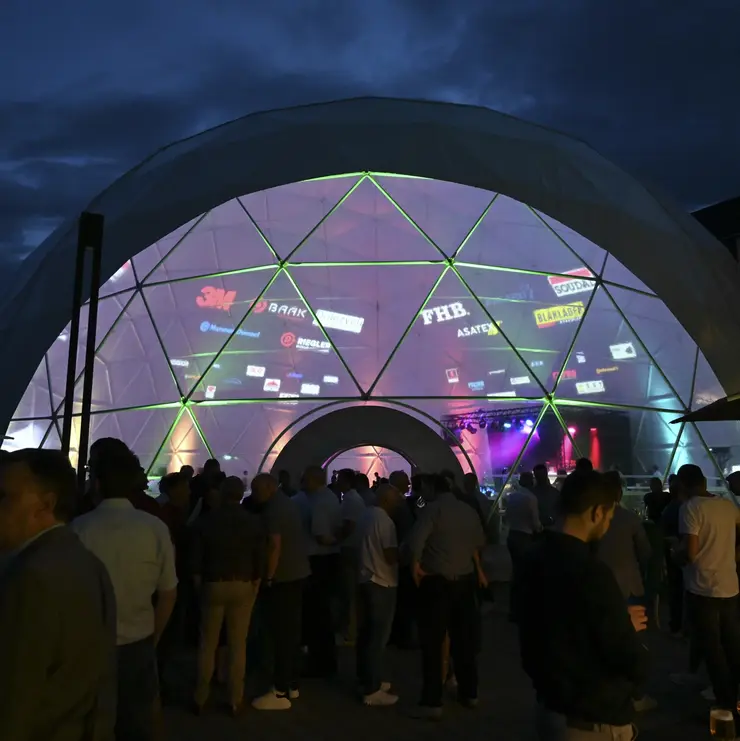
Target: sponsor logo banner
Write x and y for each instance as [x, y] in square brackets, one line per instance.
[611, 369]
[211, 327]
[310, 389]
[256, 371]
[340, 322]
[210, 392]
[520, 380]
[180, 363]
[316, 345]
[502, 393]
[271, 384]
[553, 315]
[590, 387]
[293, 374]
[284, 310]
[497, 372]
[581, 357]
[486, 328]
[623, 351]
[215, 298]
[476, 385]
[445, 313]
[452, 375]
[285, 395]
[568, 375]
[331, 379]
[567, 286]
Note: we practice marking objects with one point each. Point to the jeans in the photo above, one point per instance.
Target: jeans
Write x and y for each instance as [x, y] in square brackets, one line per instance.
[518, 544]
[284, 605]
[321, 642]
[449, 606]
[403, 633]
[376, 606]
[138, 688]
[716, 627]
[229, 603]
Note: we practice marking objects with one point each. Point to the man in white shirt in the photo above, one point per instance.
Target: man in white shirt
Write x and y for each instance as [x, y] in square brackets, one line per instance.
[708, 526]
[325, 531]
[353, 508]
[378, 577]
[137, 551]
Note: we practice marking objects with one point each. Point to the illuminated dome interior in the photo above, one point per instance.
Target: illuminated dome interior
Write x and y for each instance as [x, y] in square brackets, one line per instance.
[525, 340]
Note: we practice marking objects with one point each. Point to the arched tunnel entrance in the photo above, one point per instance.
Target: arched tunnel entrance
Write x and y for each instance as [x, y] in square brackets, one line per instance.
[352, 427]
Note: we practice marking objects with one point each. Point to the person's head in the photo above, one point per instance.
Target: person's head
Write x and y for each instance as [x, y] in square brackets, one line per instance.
[584, 464]
[417, 482]
[541, 475]
[388, 498]
[187, 471]
[314, 478]
[587, 504]
[437, 484]
[692, 480]
[400, 480]
[116, 475]
[232, 490]
[470, 483]
[362, 482]
[345, 479]
[656, 485]
[211, 467]
[38, 489]
[526, 480]
[176, 487]
[733, 482]
[264, 487]
[450, 478]
[105, 446]
[613, 482]
[284, 478]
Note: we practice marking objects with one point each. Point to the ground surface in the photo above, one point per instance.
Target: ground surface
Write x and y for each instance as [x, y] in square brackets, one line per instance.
[330, 711]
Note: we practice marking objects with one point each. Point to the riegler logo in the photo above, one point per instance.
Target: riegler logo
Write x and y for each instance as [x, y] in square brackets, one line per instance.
[445, 313]
[487, 328]
[553, 315]
[215, 298]
[565, 286]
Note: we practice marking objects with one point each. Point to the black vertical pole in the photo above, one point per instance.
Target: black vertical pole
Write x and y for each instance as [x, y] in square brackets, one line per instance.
[91, 231]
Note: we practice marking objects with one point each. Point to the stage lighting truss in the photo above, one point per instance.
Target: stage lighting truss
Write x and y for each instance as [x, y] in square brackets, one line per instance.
[511, 418]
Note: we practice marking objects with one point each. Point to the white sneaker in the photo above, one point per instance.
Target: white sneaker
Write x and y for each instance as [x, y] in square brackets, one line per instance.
[293, 694]
[271, 701]
[380, 698]
[385, 686]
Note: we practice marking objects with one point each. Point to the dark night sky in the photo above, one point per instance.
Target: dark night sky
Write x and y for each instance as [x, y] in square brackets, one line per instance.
[90, 87]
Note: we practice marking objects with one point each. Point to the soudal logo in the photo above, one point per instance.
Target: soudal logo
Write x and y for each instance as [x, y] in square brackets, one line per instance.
[285, 310]
[445, 313]
[486, 328]
[577, 283]
[215, 298]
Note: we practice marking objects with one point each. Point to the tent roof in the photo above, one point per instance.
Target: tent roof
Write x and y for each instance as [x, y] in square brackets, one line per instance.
[562, 177]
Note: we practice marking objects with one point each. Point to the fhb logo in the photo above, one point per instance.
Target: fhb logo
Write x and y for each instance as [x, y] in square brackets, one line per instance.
[444, 313]
[288, 339]
[215, 298]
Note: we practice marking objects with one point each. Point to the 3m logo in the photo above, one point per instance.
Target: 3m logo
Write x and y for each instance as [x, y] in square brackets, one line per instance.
[215, 298]
[579, 283]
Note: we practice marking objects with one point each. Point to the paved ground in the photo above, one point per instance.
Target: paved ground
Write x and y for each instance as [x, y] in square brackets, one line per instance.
[327, 712]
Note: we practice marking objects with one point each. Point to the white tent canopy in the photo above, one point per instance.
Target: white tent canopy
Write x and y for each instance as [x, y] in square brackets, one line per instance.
[564, 178]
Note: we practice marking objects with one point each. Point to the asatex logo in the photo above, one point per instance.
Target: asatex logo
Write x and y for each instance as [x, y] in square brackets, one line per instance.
[445, 313]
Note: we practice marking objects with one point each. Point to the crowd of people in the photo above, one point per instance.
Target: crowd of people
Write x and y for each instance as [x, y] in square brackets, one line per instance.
[100, 594]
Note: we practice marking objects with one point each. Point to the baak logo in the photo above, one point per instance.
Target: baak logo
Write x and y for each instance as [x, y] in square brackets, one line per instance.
[445, 313]
[284, 310]
[486, 328]
[215, 298]
[559, 314]
[577, 283]
[288, 339]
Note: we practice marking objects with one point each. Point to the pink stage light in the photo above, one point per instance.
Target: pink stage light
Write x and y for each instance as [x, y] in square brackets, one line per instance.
[572, 430]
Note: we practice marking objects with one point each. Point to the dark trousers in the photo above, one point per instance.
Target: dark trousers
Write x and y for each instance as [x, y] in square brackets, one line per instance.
[173, 638]
[674, 582]
[518, 544]
[284, 605]
[404, 622]
[716, 627]
[448, 607]
[320, 639]
[138, 688]
[375, 608]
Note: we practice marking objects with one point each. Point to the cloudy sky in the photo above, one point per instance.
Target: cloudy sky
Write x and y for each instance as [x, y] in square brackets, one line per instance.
[90, 87]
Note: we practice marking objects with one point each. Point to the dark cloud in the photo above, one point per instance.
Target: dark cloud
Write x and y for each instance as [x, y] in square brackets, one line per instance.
[94, 89]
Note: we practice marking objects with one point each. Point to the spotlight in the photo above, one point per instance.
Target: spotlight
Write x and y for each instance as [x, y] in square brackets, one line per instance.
[482, 424]
[571, 430]
[471, 429]
[594, 429]
[507, 425]
[529, 423]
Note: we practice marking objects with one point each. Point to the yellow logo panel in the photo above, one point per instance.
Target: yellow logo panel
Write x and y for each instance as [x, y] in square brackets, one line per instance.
[553, 315]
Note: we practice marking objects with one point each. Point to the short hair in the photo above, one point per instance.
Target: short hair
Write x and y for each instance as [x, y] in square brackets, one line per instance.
[540, 467]
[439, 483]
[346, 473]
[584, 464]
[362, 482]
[263, 478]
[52, 470]
[613, 481]
[232, 489]
[584, 490]
[118, 474]
[417, 481]
[211, 464]
[171, 480]
[691, 476]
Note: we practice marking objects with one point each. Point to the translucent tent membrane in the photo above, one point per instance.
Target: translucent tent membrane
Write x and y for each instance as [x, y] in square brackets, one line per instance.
[230, 334]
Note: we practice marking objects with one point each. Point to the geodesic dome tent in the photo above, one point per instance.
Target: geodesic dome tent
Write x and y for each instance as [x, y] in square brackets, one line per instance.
[242, 303]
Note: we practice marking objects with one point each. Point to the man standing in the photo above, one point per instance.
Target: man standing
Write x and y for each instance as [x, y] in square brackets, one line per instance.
[378, 582]
[228, 559]
[586, 662]
[444, 546]
[285, 576]
[523, 519]
[548, 497]
[708, 526]
[136, 548]
[57, 610]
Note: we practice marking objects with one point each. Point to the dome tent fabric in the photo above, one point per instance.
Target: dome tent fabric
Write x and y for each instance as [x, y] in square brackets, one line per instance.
[561, 178]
